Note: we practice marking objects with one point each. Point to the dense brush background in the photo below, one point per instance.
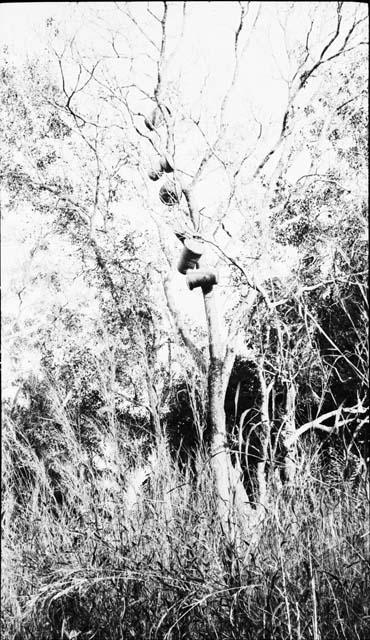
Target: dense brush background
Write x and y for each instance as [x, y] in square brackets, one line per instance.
[110, 528]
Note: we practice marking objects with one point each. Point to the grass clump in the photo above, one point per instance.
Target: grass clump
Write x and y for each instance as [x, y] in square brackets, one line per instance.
[94, 566]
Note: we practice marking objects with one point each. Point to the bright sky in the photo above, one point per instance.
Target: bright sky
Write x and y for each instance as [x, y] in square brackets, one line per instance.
[20, 22]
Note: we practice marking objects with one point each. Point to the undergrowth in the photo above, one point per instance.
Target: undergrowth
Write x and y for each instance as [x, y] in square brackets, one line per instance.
[80, 563]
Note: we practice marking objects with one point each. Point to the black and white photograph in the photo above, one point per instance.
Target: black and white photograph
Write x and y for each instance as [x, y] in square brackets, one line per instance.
[185, 353]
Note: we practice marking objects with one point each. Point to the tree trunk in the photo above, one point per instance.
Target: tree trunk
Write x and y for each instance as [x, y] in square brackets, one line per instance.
[153, 404]
[231, 496]
[148, 365]
[287, 434]
[264, 439]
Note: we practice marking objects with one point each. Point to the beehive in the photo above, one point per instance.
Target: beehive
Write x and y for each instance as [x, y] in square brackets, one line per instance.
[170, 193]
[204, 278]
[154, 175]
[191, 254]
[166, 163]
[156, 171]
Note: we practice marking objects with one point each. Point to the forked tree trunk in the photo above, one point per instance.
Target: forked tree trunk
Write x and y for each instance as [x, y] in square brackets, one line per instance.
[232, 500]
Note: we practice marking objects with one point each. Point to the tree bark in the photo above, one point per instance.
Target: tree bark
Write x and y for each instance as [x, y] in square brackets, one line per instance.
[287, 434]
[181, 327]
[232, 500]
[264, 439]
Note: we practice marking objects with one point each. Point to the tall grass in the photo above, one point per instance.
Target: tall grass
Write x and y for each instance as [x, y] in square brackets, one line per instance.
[89, 565]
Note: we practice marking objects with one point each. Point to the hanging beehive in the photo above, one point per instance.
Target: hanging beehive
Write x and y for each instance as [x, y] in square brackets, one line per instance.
[166, 163]
[204, 278]
[170, 193]
[156, 171]
[154, 175]
[191, 254]
[156, 118]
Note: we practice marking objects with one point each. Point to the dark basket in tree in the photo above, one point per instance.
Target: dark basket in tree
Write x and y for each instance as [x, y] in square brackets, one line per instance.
[154, 175]
[156, 171]
[190, 256]
[204, 278]
[170, 193]
[166, 163]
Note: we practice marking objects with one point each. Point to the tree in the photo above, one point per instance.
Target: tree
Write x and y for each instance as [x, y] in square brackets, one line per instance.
[133, 111]
[126, 106]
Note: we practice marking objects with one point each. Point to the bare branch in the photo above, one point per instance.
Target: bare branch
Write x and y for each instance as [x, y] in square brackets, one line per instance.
[228, 92]
[307, 74]
[134, 21]
[339, 421]
[363, 92]
[305, 77]
[157, 90]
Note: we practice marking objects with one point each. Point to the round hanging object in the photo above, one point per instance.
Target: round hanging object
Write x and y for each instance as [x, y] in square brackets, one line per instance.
[204, 278]
[156, 170]
[191, 254]
[170, 193]
[154, 175]
[166, 163]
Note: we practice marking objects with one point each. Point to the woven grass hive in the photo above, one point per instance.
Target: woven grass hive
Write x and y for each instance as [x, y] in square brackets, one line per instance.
[191, 254]
[170, 193]
[156, 170]
[204, 278]
[166, 163]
